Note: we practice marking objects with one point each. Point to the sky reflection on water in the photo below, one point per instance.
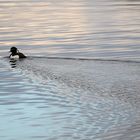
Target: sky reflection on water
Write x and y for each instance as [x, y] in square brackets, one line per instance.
[76, 28]
[72, 28]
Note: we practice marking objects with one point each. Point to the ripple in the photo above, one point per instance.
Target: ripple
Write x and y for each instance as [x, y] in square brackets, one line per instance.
[81, 29]
[69, 97]
[57, 97]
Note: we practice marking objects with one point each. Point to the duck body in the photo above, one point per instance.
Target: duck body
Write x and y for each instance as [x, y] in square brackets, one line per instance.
[15, 54]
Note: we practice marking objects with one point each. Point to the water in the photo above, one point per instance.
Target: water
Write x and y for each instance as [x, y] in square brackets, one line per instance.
[75, 28]
[47, 98]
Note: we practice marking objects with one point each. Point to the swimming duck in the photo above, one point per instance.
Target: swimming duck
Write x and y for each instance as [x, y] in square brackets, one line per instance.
[15, 54]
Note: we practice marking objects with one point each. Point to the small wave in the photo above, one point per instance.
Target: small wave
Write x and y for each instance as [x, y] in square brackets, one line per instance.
[82, 59]
[91, 96]
[103, 77]
[89, 59]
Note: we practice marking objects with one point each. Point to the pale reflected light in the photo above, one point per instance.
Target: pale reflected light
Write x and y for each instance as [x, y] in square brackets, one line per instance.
[100, 25]
[34, 23]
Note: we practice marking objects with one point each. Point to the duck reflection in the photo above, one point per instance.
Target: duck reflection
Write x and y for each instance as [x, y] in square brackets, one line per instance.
[13, 62]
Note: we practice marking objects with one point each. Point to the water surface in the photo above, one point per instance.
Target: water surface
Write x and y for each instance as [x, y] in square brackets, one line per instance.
[59, 99]
[75, 28]
[54, 99]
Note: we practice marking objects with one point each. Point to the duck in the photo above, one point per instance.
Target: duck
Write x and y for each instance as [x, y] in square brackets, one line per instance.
[15, 54]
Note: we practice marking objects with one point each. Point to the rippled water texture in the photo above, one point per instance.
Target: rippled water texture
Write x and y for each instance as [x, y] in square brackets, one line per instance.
[69, 99]
[75, 28]
[51, 99]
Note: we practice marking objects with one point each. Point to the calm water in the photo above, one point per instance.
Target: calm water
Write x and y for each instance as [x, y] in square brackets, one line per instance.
[75, 28]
